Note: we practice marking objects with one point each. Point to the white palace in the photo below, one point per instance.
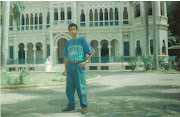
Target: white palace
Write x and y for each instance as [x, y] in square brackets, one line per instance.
[117, 30]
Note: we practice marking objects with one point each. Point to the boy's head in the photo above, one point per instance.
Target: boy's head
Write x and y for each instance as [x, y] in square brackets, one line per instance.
[73, 30]
[71, 25]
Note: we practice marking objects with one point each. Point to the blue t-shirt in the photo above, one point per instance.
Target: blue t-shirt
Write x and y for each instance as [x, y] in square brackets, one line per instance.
[76, 49]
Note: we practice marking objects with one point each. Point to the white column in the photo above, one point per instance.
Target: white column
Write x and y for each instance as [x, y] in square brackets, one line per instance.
[25, 22]
[109, 46]
[58, 14]
[25, 49]
[38, 21]
[142, 9]
[108, 10]
[86, 12]
[44, 51]
[34, 48]
[158, 9]
[121, 9]
[44, 15]
[33, 21]
[99, 47]
[20, 22]
[74, 11]
[165, 9]
[29, 20]
[65, 12]
[51, 15]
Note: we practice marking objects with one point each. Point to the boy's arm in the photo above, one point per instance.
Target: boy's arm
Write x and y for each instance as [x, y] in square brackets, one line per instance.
[85, 62]
[65, 63]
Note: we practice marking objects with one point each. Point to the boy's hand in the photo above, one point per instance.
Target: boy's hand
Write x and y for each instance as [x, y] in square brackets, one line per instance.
[64, 73]
[82, 64]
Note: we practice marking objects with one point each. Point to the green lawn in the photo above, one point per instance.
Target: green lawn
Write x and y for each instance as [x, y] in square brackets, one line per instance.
[36, 78]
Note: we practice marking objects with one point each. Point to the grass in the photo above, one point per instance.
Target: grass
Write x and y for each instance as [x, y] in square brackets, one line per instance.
[37, 78]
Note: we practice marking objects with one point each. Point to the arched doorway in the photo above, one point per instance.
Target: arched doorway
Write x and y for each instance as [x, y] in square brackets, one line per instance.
[60, 48]
[21, 53]
[95, 58]
[39, 53]
[104, 51]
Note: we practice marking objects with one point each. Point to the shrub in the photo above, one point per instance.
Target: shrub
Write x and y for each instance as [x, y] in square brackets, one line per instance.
[148, 62]
[22, 75]
[133, 65]
[165, 65]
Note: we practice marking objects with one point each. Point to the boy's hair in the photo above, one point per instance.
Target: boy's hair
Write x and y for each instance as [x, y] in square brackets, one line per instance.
[71, 25]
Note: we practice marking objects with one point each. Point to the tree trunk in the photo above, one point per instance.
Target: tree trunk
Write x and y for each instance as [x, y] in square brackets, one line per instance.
[4, 35]
[155, 35]
[147, 28]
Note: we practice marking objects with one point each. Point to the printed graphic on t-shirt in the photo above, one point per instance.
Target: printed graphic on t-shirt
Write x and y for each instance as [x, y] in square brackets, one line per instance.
[75, 52]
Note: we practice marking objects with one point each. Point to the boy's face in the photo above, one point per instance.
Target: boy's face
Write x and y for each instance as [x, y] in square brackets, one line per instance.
[73, 31]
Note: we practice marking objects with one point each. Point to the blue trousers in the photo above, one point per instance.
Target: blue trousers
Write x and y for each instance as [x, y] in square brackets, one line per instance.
[76, 80]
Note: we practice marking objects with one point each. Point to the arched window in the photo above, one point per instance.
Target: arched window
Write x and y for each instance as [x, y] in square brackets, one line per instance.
[106, 14]
[90, 15]
[111, 14]
[48, 18]
[162, 9]
[68, 13]
[23, 19]
[40, 18]
[36, 19]
[151, 46]
[82, 16]
[138, 48]
[11, 20]
[31, 19]
[116, 14]
[55, 14]
[164, 48]
[125, 14]
[137, 10]
[96, 17]
[62, 13]
[149, 5]
[27, 19]
[101, 15]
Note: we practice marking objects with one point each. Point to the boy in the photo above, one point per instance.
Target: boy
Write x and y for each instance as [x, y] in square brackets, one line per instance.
[75, 60]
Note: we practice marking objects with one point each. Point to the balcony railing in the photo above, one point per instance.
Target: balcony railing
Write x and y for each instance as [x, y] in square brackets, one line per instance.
[27, 61]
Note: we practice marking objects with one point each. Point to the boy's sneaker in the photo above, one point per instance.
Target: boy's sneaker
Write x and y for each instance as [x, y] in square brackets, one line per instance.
[84, 110]
[68, 108]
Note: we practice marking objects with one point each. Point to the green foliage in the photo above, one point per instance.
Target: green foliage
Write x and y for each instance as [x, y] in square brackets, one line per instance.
[23, 73]
[164, 64]
[7, 78]
[148, 61]
[16, 9]
[173, 9]
[133, 65]
[173, 40]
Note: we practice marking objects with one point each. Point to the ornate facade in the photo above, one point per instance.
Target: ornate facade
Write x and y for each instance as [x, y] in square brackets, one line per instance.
[116, 30]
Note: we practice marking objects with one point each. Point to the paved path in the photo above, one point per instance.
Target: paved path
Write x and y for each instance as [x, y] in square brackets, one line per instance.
[114, 95]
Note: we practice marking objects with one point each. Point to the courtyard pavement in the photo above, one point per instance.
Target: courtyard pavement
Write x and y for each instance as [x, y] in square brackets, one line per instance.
[114, 95]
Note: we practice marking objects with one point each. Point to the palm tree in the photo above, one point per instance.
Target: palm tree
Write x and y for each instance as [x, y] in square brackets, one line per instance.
[17, 8]
[155, 35]
[4, 35]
